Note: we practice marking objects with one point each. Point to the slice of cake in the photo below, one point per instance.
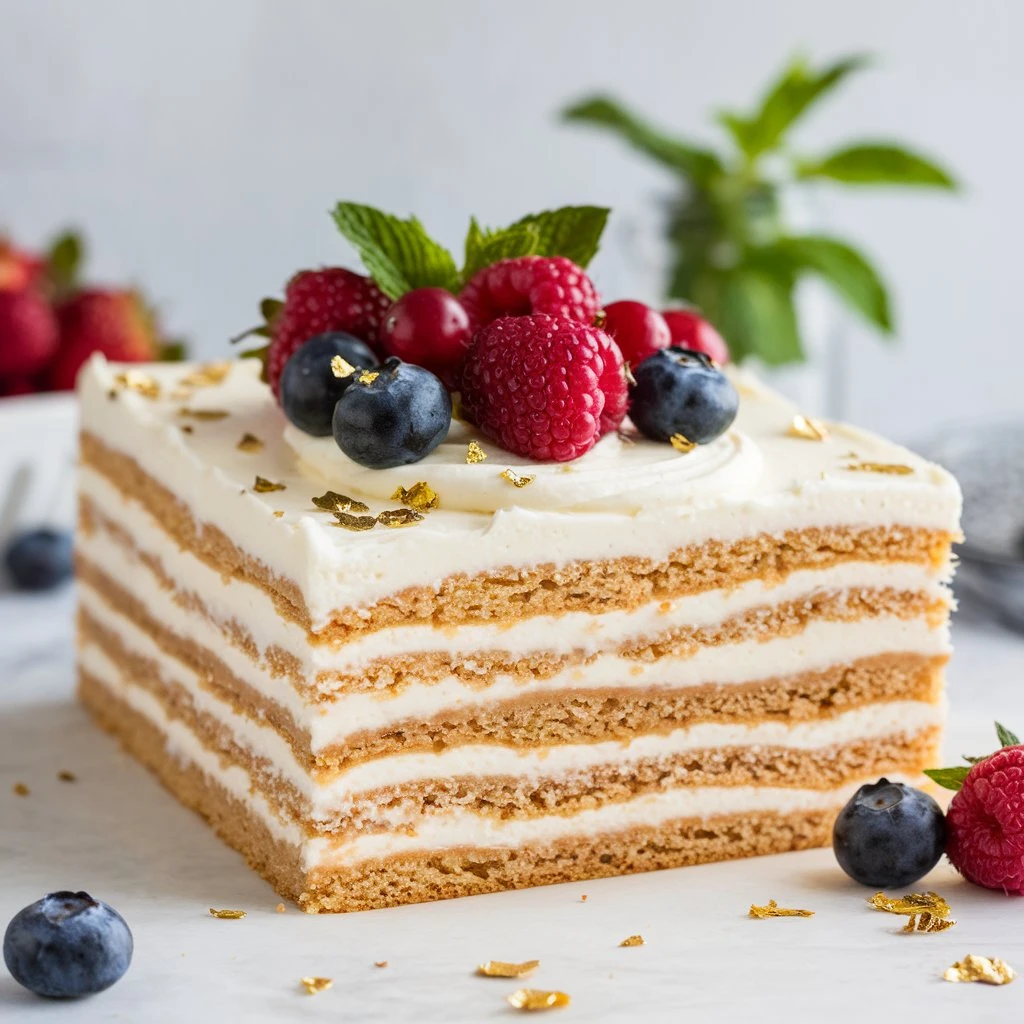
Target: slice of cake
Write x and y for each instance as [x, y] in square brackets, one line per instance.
[484, 671]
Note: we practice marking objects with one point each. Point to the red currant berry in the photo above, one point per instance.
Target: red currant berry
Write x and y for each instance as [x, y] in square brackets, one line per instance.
[694, 332]
[427, 327]
[638, 330]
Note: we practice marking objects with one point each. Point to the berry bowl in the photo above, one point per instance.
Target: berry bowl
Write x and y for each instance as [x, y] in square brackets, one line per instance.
[38, 450]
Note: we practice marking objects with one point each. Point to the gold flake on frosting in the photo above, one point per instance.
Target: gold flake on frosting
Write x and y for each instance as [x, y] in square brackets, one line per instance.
[136, 380]
[501, 969]
[681, 444]
[989, 970]
[808, 429]
[515, 479]
[249, 443]
[356, 523]
[537, 999]
[634, 940]
[206, 375]
[206, 415]
[314, 985]
[332, 501]
[341, 367]
[772, 909]
[474, 453]
[891, 468]
[421, 496]
[397, 517]
[264, 486]
[227, 915]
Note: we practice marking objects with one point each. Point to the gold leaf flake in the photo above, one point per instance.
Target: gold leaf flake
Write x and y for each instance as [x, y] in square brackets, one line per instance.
[808, 429]
[227, 915]
[280, 908]
[536, 999]
[515, 479]
[249, 443]
[380, 963]
[332, 501]
[890, 468]
[927, 923]
[633, 940]
[368, 376]
[990, 970]
[501, 969]
[421, 496]
[397, 517]
[458, 412]
[772, 909]
[20, 789]
[913, 903]
[179, 394]
[474, 453]
[682, 444]
[341, 367]
[65, 776]
[627, 371]
[206, 375]
[264, 486]
[136, 380]
[206, 415]
[278, 513]
[600, 319]
[351, 522]
[187, 428]
[315, 985]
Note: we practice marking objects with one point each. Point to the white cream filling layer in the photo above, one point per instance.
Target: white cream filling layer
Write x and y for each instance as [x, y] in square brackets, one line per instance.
[800, 484]
[335, 796]
[570, 633]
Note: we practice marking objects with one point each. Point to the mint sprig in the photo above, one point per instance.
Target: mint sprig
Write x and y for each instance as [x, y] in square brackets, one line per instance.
[953, 778]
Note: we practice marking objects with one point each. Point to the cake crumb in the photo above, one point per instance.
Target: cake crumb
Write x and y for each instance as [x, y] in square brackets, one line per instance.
[380, 963]
[280, 908]
[634, 940]
[583, 898]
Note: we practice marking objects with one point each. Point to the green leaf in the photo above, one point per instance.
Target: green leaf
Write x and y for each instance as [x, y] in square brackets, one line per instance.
[486, 247]
[64, 261]
[269, 308]
[399, 254]
[570, 231]
[757, 317]
[174, 351]
[948, 778]
[797, 89]
[1006, 738]
[848, 272]
[688, 159]
[976, 760]
[877, 163]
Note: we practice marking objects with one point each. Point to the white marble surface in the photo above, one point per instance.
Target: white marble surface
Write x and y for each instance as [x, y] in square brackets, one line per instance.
[116, 833]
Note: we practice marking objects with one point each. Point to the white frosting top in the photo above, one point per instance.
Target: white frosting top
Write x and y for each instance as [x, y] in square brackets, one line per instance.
[621, 499]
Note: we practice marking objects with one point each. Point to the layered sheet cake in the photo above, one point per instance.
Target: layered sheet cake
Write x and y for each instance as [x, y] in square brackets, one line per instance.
[522, 672]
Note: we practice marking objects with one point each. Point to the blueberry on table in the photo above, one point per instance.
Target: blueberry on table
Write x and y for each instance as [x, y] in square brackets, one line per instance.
[67, 945]
[393, 416]
[889, 835]
[39, 559]
[677, 391]
[310, 388]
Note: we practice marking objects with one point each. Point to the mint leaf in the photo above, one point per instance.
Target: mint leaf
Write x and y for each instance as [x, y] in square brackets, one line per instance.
[398, 254]
[757, 316]
[485, 247]
[1006, 738]
[269, 308]
[846, 270]
[685, 158]
[571, 231]
[63, 262]
[948, 778]
[877, 163]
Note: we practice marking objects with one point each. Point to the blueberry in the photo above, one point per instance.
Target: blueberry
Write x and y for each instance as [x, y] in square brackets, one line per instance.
[67, 945]
[681, 392]
[39, 559]
[309, 388]
[393, 417]
[889, 835]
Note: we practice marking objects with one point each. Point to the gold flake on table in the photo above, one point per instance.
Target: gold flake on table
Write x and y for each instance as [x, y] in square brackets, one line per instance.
[537, 999]
[20, 789]
[989, 970]
[250, 443]
[772, 909]
[682, 444]
[889, 468]
[634, 940]
[356, 523]
[501, 969]
[227, 915]
[136, 380]
[332, 501]
[421, 496]
[264, 486]
[913, 903]
[924, 923]
[315, 985]
[65, 776]
[368, 376]
[206, 375]
[515, 479]
[475, 454]
[341, 367]
[808, 429]
[398, 517]
[203, 415]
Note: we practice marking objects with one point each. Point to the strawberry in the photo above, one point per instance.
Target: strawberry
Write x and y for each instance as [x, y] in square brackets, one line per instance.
[28, 333]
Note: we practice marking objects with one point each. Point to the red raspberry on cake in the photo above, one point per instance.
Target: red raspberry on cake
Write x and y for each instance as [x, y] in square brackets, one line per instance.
[530, 284]
[986, 823]
[28, 333]
[543, 386]
[317, 301]
[638, 330]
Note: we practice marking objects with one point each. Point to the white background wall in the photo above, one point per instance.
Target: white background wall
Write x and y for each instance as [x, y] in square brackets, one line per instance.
[200, 143]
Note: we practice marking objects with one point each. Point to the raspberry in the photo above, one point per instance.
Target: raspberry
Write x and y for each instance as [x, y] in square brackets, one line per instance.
[544, 387]
[986, 823]
[318, 301]
[530, 284]
[28, 333]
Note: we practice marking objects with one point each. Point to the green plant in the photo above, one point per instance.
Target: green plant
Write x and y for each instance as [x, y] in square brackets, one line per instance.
[733, 254]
